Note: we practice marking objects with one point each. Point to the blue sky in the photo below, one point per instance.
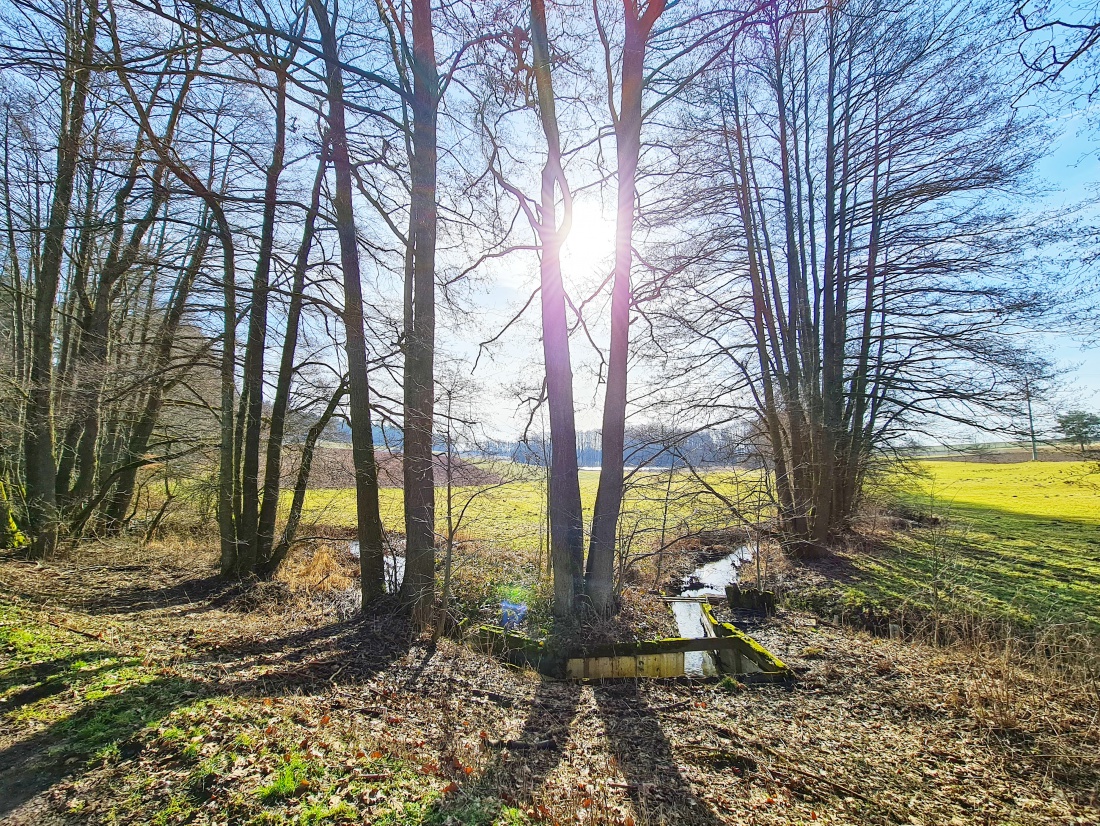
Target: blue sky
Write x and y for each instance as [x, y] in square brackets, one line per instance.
[1069, 173]
[1072, 171]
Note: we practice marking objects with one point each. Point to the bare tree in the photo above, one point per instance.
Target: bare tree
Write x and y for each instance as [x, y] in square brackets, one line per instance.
[564, 498]
[638, 26]
[854, 284]
[371, 548]
[74, 79]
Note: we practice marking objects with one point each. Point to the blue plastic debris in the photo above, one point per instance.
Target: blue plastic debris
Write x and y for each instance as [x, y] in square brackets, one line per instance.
[512, 614]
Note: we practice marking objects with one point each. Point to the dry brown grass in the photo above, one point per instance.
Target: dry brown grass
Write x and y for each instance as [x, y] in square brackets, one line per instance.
[1043, 691]
[196, 550]
[317, 567]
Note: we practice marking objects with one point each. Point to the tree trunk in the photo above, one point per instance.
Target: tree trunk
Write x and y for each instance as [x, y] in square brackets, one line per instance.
[418, 588]
[9, 533]
[371, 550]
[227, 477]
[269, 509]
[95, 339]
[566, 519]
[270, 565]
[41, 470]
[249, 553]
[628, 137]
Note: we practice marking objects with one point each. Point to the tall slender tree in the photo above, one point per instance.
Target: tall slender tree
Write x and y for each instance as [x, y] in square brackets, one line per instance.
[38, 439]
[369, 529]
[418, 587]
[639, 21]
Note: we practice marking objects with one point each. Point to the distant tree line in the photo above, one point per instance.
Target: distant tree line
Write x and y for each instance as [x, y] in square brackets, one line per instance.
[643, 446]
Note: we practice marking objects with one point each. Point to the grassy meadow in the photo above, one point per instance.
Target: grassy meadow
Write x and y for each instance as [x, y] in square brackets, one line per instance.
[513, 514]
[1019, 542]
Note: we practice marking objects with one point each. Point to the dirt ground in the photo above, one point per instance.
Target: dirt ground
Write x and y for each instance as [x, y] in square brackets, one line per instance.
[143, 692]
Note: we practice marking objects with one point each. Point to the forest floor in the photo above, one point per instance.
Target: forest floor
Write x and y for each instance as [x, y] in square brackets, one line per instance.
[142, 690]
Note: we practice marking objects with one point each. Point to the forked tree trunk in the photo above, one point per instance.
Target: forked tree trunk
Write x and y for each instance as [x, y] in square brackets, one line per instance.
[566, 519]
[82, 448]
[38, 445]
[249, 551]
[271, 564]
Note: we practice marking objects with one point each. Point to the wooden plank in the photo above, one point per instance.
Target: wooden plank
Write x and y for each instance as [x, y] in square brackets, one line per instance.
[737, 653]
[670, 645]
[603, 668]
[746, 656]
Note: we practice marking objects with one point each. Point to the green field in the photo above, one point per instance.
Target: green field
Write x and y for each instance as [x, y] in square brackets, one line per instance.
[1019, 541]
[514, 514]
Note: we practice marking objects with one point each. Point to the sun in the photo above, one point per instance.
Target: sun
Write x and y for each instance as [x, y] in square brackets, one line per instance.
[588, 251]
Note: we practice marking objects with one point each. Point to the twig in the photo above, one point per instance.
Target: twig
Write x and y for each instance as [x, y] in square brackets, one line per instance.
[98, 637]
[375, 776]
[517, 745]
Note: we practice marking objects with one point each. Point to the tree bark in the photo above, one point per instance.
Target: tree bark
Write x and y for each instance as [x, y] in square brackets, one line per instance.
[418, 588]
[269, 509]
[270, 565]
[628, 137]
[369, 529]
[249, 552]
[566, 518]
[38, 445]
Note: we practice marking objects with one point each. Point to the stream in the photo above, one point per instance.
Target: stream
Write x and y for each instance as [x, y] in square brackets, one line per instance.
[709, 579]
[395, 568]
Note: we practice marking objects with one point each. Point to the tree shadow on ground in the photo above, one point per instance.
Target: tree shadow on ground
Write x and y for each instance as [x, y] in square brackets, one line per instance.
[121, 595]
[637, 741]
[307, 660]
[63, 748]
[201, 592]
[519, 768]
[51, 677]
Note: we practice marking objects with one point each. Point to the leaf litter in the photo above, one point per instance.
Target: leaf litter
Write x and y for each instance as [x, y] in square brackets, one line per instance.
[286, 716]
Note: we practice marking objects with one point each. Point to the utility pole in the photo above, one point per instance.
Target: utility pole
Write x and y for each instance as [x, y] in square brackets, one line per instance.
[1030, 421]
